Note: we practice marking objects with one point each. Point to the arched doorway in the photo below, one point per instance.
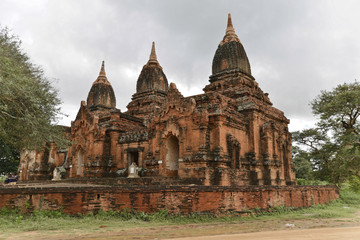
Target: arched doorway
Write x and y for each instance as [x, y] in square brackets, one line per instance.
[172, 155]
[80, 162]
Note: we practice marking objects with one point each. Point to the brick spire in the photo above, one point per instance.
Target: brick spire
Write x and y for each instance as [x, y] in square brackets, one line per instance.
[101, 93]
[151, 88]
[153, 58]
[152, 76]
[230, 54]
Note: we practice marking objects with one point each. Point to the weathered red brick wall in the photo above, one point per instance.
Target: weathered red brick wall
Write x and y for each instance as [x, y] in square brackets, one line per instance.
[176, 199]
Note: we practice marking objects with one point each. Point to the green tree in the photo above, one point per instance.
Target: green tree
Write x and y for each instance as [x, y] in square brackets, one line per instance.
[302, 162]
[339, 109]
[333, 147]
[9, 159]
[320, 151]
[29, 105]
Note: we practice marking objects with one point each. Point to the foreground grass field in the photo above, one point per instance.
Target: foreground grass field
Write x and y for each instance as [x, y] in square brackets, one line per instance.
[132, 225]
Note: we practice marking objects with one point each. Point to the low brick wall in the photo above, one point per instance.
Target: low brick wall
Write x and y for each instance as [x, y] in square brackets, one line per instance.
[120, 181]
[177, 199]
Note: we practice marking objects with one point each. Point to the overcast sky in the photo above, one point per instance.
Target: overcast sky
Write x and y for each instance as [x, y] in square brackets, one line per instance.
[295, 48]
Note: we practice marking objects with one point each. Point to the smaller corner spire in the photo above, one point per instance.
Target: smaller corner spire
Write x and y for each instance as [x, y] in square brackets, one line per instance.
[102, 70]
[153, 57]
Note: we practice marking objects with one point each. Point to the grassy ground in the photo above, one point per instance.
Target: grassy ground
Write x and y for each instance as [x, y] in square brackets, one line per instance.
[127, 225]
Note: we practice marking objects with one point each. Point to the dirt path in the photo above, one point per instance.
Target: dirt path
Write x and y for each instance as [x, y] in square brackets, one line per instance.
[235, 231]
[310, 229]
[344, 233]
[211, 232]
[314, 229]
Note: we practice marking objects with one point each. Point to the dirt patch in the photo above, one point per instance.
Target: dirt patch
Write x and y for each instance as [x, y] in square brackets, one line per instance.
[195, 230]
[344, 233]
[191, 230]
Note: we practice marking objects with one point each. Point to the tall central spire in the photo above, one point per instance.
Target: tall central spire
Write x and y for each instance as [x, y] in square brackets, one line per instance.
[230, 54]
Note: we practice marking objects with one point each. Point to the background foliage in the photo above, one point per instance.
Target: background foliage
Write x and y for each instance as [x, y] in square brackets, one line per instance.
[333, 146]
[29, 105]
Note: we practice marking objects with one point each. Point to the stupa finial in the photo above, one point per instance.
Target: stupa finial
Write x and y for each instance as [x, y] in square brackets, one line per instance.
[102, 70]
[153, 57]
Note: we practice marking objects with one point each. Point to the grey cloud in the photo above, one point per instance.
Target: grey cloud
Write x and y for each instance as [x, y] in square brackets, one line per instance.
[295, 48]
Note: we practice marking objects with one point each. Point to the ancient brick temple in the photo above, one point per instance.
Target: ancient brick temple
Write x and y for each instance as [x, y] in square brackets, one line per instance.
[230, 135]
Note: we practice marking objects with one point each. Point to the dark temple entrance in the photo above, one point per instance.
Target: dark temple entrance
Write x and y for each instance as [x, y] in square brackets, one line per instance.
[172, 155]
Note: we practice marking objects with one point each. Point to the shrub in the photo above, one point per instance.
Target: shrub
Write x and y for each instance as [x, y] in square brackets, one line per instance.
[48, 214]
[354, 182]
[301, 181]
